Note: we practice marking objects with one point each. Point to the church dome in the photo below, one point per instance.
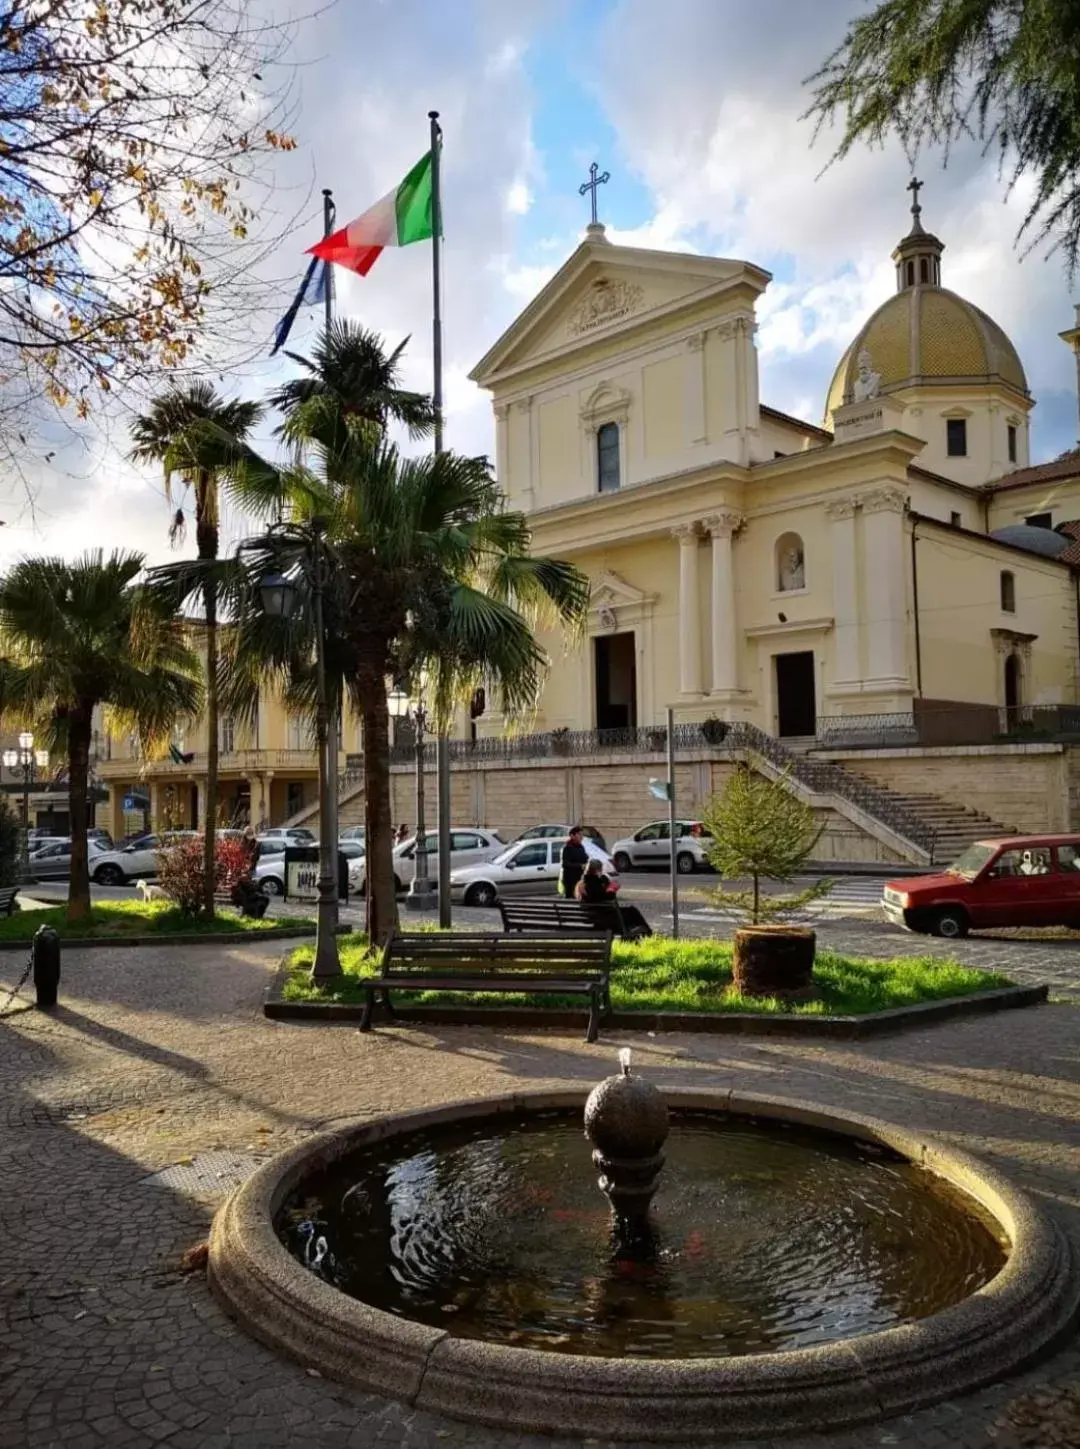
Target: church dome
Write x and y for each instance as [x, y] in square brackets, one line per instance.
[925, 334]
[1045, 541]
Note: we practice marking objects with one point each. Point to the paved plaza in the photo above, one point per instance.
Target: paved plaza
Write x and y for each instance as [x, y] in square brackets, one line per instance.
[158, 1056]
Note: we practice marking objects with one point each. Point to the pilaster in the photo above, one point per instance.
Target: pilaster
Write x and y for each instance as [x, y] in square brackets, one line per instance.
[841, 515]
[722, 528]
[884, 592]
[689, 610]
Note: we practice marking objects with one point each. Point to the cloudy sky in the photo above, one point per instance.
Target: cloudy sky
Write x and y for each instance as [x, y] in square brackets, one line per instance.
[693, 106]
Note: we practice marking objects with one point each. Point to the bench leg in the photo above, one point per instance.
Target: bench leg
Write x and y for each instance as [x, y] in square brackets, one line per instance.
[592, 1031]
[388, 1004]
[369, 1007]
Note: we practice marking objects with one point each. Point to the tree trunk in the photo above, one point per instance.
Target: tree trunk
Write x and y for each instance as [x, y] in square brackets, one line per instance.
[79, 734]
[774, 961]
[210, 805]
[206, 539]
[379, 846]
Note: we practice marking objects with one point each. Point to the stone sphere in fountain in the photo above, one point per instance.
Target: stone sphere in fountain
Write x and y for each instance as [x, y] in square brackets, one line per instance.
[626, 1120]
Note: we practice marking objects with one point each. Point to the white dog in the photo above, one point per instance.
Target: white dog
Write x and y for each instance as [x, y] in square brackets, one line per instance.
[150, 892]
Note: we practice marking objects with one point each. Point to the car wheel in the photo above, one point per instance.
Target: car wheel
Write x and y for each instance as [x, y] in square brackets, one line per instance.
[685, 863]
[271, 885]
[109, 875]
[481, 894]
[952, 923]
[623, 863]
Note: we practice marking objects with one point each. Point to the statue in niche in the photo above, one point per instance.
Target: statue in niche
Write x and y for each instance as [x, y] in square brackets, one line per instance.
[792, 567]
[868, 382]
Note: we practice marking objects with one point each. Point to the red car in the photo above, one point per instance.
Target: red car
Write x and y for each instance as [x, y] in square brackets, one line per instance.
[1025, 880]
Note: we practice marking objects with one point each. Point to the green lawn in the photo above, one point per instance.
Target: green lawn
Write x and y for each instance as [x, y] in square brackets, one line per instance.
[665, 975]
[136, 918]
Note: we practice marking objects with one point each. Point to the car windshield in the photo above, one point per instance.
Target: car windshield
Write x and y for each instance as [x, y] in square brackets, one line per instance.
[511, 853]
[972, 860]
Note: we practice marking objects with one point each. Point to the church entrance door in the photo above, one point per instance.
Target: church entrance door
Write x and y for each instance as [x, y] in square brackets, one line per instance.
[616, 682]
[1012, 691]
[796, 701]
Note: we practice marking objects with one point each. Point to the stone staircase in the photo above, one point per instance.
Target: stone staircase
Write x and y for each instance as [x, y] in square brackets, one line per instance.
[954, 826]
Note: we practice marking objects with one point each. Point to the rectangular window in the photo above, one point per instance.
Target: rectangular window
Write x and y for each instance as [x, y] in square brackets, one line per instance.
[1008, 593]
[955, 520]
[1012, 443]
[607, 458]
[956, 437]
[1040, 520]
[227, 736]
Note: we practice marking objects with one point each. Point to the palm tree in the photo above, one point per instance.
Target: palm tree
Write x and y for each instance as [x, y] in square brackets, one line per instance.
[156, 437]
[431, 581]
[83, 634]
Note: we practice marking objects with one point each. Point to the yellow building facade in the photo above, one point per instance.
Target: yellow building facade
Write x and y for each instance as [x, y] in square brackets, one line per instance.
[746, 565]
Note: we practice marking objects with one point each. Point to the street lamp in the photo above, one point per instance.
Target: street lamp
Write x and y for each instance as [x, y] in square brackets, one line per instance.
[279, 596]
[422, 894]
[28, 760]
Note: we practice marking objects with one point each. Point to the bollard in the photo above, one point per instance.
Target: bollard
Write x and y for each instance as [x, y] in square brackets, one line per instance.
[46, 953]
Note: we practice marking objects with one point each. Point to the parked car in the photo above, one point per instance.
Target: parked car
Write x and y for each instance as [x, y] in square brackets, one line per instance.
[469, 845]
[528, 868]
[1024, 880]
[270, 873]
[289, 835]
[353, 832]
[98, 832]
[560, 832]
[136, 861]
[651, 846]
[53, 860]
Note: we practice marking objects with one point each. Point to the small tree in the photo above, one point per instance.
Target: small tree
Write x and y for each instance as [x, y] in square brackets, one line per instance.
[182, 871]
[761, 829]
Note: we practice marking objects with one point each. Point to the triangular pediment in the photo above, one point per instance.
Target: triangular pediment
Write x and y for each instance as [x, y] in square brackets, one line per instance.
[603, 290]
[609, 591]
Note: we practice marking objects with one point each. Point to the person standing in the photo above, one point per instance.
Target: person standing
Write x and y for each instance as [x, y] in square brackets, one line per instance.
[574, 860]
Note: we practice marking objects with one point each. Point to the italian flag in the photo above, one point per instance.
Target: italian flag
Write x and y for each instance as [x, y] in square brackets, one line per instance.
[402, 216]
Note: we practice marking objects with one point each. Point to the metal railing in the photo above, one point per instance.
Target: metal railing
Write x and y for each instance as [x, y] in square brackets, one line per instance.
[972, 724]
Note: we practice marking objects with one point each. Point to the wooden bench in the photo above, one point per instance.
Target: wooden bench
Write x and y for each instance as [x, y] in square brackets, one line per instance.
[7, 900]
[542, 913]
[452, 961]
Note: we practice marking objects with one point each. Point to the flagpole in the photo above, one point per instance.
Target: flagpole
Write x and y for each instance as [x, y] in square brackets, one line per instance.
[442, 744]
[333, 733]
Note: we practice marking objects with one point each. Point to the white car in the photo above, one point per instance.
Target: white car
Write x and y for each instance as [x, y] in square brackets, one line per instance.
[469, 845]
[528, 868]
[270, 870]
[284, 835]
[651, 846]
[136, 861]
[560, 832]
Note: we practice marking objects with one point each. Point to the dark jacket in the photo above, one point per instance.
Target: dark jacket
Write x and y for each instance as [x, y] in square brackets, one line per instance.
[596, 888]
[574, 860]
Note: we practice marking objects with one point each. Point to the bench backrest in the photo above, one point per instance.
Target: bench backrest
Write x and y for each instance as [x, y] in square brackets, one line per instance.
[8, 893]
[558, 915]
[485, 953]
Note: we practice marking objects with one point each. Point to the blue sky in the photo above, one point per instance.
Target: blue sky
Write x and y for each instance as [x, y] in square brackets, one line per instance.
[694, 107]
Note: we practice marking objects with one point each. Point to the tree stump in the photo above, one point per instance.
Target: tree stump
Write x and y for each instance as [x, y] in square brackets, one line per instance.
[774, 961]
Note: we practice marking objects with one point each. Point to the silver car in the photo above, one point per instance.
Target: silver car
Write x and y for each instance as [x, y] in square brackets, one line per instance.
[469, 845]
[651, 847]
[528, 868]
[53, 860]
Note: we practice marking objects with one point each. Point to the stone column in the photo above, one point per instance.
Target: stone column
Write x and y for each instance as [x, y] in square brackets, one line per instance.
[841, 515]
[722, 527]
[884, 586]
[689, 610]
[502, 444]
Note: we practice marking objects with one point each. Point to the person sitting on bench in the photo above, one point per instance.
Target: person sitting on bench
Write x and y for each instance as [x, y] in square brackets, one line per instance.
[595, 887]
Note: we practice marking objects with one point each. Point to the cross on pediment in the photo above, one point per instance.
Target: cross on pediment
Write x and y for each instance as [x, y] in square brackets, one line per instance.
[594, 182]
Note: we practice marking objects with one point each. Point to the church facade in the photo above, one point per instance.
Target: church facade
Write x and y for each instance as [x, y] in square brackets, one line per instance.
[746, 565]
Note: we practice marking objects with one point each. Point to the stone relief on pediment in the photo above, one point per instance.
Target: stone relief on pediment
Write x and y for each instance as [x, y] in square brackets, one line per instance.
[607, 300]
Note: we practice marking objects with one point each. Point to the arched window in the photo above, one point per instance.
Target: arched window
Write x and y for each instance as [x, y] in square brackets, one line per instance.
[1008, 592]
[924, 270]
[911, 274]
[790, 563]
[607, 458]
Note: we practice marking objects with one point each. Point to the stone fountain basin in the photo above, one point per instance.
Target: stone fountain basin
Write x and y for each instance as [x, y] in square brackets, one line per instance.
[856, 1380]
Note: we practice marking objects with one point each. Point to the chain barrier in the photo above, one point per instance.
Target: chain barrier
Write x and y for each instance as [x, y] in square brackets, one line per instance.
[23, 979]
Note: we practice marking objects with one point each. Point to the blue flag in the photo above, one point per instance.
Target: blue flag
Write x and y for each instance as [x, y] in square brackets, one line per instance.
[312, 293]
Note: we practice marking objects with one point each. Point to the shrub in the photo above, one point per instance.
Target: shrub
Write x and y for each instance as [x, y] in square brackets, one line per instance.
[180, 870]
[12, 857]
[760, 829]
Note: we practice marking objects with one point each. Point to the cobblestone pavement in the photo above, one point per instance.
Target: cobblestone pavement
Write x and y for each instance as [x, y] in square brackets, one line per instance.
[157, 1055]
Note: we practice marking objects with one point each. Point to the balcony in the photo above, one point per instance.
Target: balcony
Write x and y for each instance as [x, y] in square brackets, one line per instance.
[230, 762]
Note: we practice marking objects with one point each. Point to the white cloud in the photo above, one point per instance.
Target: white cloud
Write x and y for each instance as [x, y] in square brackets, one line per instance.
[519, 199]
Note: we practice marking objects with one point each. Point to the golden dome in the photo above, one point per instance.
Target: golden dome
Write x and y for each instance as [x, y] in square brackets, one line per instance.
[926, 336]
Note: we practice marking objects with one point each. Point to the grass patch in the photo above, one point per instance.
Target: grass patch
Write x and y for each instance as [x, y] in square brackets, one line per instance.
[660, 974]
[136, 918]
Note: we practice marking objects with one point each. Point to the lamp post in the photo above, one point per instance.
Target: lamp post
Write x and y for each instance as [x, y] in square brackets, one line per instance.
[279, 595]
[29, 761]
[422, 895]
